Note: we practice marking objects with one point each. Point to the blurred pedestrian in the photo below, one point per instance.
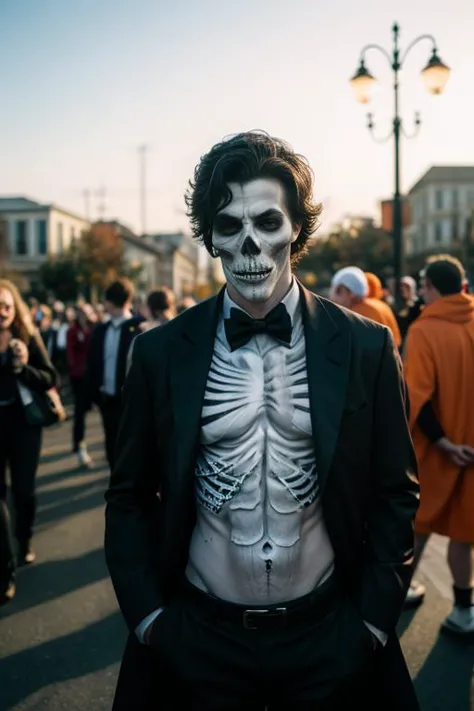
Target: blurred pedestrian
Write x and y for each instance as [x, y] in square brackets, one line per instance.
[375, 297]
[161, 305]
[350, 288]
[25, 369]
[78, 342]
[107, 358]
[439, 370]
[411, 306]
[187, 302]
[48, 333]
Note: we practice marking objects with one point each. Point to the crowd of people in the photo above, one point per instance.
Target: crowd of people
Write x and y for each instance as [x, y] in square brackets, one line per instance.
[66, 346]
[434, 331]
[61, 356]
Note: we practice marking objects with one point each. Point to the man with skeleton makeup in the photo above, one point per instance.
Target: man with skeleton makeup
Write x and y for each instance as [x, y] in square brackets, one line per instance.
[259, 524]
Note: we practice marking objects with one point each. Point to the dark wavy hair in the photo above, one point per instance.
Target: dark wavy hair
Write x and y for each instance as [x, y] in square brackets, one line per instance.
[242, 158]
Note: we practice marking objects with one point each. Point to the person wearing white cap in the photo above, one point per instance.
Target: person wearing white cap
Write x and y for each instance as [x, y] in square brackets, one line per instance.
[350, 288]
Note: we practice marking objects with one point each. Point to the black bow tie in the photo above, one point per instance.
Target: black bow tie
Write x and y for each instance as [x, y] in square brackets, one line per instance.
[240, 327]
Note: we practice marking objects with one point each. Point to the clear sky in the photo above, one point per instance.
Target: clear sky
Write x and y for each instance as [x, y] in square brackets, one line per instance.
[84, 82]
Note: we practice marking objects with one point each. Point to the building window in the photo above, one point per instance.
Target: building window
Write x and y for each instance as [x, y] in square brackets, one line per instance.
[41, 237]
[439, 200]
[73, 235]
[21, 239]
[60, 237]
[454, 229]
[438, 231]
[455, 198]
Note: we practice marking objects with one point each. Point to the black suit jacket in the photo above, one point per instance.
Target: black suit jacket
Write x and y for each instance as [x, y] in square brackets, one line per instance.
[94, 374]
[363, 450]
[366, 466]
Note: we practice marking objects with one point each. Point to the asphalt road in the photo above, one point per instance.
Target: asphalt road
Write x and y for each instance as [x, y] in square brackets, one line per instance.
[62, 637]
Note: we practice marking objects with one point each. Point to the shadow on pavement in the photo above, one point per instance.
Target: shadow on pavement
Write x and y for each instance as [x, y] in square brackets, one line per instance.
[67, 452]
[75, 655]
[59, 494]
[54, 477]
[446, 675]
[43, 582]
[85, 497]
[56, 457]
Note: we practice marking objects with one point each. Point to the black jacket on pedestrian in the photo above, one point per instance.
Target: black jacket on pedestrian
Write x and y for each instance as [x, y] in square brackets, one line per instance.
[94, 375]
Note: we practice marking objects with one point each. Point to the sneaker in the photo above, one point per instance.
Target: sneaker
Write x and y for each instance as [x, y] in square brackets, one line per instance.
[415, 595]
[460, 621]
[84, 457]
[9, 593]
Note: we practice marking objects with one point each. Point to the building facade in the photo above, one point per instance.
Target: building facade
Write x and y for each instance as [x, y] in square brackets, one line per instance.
[179, 267]
[34, 232]
[442, 210]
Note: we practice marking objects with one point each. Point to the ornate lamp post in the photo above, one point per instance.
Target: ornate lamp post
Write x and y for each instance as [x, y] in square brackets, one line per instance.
[435, 76]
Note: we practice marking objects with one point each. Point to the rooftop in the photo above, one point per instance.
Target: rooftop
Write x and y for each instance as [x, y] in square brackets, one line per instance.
[19, 203]
[445, 174]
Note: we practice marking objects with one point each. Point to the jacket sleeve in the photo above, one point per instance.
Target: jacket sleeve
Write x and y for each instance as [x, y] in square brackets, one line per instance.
[388, 563]
[133, 506]
[39, 374]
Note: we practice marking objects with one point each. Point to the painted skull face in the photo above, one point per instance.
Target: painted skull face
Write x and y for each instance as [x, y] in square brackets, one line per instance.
[253, 235]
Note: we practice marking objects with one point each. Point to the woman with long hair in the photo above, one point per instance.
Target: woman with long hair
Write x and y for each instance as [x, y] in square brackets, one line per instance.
[25, 368]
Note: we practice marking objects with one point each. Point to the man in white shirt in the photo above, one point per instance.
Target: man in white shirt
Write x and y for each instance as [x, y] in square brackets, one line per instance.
[259, 526]
[107, 356]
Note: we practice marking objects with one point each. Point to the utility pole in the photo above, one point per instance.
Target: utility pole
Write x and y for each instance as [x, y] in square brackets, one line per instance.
[142, 150]
[101, 193]
[87, 205]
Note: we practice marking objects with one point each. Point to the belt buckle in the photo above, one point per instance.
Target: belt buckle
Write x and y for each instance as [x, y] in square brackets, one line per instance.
[247, 616]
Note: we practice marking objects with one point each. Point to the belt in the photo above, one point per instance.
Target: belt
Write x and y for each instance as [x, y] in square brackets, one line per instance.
[314, 605]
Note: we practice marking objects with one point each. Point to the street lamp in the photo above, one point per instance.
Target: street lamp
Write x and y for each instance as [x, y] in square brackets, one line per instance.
[435, 76]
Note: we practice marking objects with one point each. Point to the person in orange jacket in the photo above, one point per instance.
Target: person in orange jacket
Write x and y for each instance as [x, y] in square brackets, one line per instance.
[375, 296]
[439, 372]
[350, 288]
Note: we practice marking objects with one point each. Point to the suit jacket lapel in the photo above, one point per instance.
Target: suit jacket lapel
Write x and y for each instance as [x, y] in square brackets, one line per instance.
[328, 349]
[190, 363]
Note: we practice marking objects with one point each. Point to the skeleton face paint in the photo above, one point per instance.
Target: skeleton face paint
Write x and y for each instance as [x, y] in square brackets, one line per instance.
[253, 236]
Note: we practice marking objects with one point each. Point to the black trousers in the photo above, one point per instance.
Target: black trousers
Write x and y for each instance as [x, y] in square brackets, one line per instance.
[79, 427]
[110, 411]
[322, 659]
[20, 448]
[7, 557]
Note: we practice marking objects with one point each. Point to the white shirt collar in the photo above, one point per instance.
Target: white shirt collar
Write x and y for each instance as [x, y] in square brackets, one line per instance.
[116, 322]
[291, 301]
